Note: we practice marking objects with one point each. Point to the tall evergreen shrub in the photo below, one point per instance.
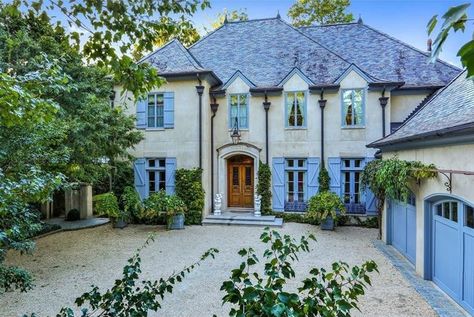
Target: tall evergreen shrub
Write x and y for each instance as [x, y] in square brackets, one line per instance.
[264, 187]
[189, 188]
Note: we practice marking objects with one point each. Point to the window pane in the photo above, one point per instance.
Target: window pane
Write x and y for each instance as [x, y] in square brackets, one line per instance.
[356, 188]
[243, 100]
[159, 99]
[469, 217]
[439, 210]
[151, 163]
[161, 163]
[159, 116]
[248, 176]
[301, 163]
[151, 181]
[300, 109]
[151, 100]
[454, 211]
[290, 109]
[358, 93]
[347, 163]
[162, 182]
[347, 107]
[301, 186]
[151, 111]
[290, 163]
[235, 176]
[446, 210]
[151, 122]
[357, 163]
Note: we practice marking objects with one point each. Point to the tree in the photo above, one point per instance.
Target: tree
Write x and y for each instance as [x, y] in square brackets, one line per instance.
[455, 19]
[187, 36]
[308, 12]
[232, 16]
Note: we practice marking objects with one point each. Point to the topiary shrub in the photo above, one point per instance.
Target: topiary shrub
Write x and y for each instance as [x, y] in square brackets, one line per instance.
[107, 205]
[188, 187]
[131, 203]
[264, 188]
[73, 215]
[323, 179]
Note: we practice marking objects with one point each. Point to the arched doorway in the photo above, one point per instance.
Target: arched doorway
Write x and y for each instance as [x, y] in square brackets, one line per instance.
[240, 181]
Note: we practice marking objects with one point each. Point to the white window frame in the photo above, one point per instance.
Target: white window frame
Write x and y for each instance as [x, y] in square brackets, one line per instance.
[343, 112]
[155, 113]
[231, 119]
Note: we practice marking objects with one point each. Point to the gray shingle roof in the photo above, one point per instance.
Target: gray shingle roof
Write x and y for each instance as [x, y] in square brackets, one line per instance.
[265, 51]
[173, 58]
[449, 108]
[381, 55]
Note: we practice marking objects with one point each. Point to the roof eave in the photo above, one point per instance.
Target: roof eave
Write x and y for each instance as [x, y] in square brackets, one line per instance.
[191, 75]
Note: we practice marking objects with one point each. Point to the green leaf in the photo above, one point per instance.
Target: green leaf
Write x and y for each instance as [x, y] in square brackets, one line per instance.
[432, 24]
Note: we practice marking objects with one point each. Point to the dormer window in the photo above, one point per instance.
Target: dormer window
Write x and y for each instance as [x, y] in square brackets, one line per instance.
[238, 111]
[295, 109]
[353, 109]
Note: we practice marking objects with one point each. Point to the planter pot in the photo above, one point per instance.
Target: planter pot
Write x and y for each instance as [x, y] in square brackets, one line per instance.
[327, 224]
[120, 223]
[176, 222]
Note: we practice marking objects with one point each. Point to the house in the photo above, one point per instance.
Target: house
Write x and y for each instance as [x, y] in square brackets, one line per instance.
[435, 229]
[294, 98]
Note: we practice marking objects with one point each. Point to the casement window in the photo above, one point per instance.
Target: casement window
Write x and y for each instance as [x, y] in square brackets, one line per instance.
[469, 212]
[353, 107]
[295, 109]
[155, 111]
[156, 175]
[351, 170]
[448, 210]
[295, 184]
[239, 111]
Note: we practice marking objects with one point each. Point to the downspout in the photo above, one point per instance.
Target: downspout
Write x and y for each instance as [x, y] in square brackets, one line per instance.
[383, 103]
[266, 106]
[200, 90]
[214, 107]
[322, 105]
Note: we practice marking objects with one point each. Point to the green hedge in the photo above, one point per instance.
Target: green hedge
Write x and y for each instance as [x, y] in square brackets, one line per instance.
[107, 205]
[189, 188]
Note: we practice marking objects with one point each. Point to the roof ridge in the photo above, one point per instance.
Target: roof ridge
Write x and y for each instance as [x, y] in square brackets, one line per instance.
[409, 46]
[188, 54]
[253, 20]
[436, 95]
[329, 24]
[206, 36]
[156, 51]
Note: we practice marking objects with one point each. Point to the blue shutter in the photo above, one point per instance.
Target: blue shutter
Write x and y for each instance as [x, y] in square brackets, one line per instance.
[334, 167]
[168, 109]
[313, 173]
[140, 176]
[370, 200]
[170, 174]
[141, 112]
[278, 183]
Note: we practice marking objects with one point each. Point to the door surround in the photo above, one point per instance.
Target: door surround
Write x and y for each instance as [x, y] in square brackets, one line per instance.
[223, 153]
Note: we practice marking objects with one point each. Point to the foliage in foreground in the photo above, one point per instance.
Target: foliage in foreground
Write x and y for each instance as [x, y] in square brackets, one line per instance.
[129, 296]
[455, 19]
[323, 293]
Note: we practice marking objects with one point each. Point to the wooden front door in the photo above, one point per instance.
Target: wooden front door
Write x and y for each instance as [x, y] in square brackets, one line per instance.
[240, 181]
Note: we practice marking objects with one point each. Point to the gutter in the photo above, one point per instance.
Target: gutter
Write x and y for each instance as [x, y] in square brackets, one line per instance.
[214, 107]
[200, 90]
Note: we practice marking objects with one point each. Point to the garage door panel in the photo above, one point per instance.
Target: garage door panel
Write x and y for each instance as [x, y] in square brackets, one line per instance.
[447, 257]
[399, 228]
[411, 233]
[468, 287]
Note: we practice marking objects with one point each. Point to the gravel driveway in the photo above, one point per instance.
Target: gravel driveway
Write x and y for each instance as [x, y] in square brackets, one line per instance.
[65, 264]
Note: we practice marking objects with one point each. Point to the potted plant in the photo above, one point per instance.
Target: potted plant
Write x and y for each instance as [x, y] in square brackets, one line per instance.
[107, 204]
[325, 207]
[161, 205]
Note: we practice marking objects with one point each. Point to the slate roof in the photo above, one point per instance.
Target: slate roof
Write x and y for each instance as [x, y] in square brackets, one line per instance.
[450, 109]
[173, 58]
[265, 51]
[383, 56]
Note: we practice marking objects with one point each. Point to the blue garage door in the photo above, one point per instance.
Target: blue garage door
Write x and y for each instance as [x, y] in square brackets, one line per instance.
[453, 251]
[403, 227]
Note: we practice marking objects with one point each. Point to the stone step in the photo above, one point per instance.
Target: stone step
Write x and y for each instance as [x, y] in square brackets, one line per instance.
[243, 217]
[278, 222]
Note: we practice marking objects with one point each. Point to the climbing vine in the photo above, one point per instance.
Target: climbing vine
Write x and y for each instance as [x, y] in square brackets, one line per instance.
[391, 178]
[264, 188]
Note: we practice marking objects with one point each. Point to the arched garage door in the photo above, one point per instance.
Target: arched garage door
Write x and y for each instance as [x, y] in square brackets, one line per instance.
[453, 250]
[403, 227]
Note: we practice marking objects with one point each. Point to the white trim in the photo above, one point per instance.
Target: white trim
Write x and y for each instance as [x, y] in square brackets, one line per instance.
[238, 74]
[297, 71]
[356, 70]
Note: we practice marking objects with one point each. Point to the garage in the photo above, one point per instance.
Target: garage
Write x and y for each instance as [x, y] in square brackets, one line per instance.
[453, 250]
[403, 227]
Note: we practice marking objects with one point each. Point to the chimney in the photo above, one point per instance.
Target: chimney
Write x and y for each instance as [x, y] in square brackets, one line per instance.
[428, 44]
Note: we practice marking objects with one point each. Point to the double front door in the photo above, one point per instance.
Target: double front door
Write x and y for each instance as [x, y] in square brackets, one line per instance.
[240, 181]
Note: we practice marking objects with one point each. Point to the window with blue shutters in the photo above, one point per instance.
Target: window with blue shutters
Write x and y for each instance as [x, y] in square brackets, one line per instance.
[156, 175]
[155, 110]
